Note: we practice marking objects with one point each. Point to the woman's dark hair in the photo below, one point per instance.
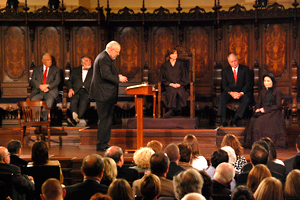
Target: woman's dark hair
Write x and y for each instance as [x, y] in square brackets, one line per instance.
[271, 76]
[39, 153]
[171, 51]
[242, 192]
[272, 153]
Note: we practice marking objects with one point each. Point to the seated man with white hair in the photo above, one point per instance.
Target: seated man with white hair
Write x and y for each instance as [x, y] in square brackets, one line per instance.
[224, 175]
[193, 196]
[189, 181]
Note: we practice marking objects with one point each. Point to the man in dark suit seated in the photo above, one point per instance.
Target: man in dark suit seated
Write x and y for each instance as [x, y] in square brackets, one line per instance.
[51, 189]
[236, 85]
[172, 151]
[92, 170]
[44, 82]
[289, 162]
[78, 89]
[22, 184]
[258, 155]
[223, 176]
[14, 147]
[126, 173]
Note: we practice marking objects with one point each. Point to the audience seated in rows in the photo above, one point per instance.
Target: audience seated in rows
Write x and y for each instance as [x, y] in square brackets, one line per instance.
[159, 165]
[126, 173]
[15, 149]
[110, 171]
[92, 170]
[257, 174]
[189, 181]
[232, 141]
[292, 185]
[155, 145]
[197, 161]
[269, 188]
[22, 184]
[52, 190]
[185, 151]
[40, 157]
[289, 162]
[172, 151]
[120, 189]
[141, 158]
[99, 196]
[150, 187]
[242, 192]
[223, 176]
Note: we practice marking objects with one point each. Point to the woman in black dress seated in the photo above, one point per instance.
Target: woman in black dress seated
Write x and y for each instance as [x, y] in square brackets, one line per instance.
[267, 120]
[174, 77]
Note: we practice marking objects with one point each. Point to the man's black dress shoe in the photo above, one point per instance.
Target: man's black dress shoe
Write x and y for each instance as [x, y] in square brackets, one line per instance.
[168, 114]
[224, 124]
[103, 148]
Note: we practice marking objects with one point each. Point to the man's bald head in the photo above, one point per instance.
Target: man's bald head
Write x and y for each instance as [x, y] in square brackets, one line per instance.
[193, 196]
[52, 190]
[4, 155]
[224, 173]
[114, 152]
[92, 165]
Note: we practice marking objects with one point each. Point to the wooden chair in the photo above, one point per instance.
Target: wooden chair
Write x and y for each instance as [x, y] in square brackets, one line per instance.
[6, 185]
[189, 60]
[31, 116]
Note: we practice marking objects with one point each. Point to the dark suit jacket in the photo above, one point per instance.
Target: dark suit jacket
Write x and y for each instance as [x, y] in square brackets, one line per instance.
[242, 177]
[105, 81]
[173, 170]
[84, 190]
[218, 188]
[278, 168]
[128, 174]
[289, 164]
[16, 160]
[21, 183]
[75, 80]
[243, 83]
[53, 79]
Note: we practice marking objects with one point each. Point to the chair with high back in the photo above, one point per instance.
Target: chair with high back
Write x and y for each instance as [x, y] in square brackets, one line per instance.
[29, 114]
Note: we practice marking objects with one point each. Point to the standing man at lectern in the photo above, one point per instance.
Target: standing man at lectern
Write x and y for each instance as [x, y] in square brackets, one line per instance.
[104, 89]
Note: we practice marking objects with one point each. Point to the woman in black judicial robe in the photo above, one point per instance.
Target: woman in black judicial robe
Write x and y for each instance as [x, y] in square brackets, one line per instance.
[174, 77]
[267, 120]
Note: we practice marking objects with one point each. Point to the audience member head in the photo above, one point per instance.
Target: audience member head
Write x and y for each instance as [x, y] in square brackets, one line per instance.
[52, 190]
[113, 48]
[92, 166]
[231, 154]
[263, 144]
[110, 170]
[4, 155]
[298, 143]
[188, 181]
[14, 147]
[172, 151]
[224, 174]
[258, 155]
[116, 154]
[142, 157]
[232, 141]
[193, 142]
[193, 196]
[258, 173]
[39, 153]
[150, 187]
[207, 185]
[292, 185]
[272, 152]
[99, 196]
[120, 189]
[155, 145]
[159, 164]
[219, 156]
[185, 151]
[269, 188]
[296, 163]
[242, 192]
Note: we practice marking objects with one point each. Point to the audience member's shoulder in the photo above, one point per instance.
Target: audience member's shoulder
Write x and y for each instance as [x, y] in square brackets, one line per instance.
[247, 167]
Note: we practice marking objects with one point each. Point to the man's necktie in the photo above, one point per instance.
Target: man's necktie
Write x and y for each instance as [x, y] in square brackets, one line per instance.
[45, 76]
[235, 76]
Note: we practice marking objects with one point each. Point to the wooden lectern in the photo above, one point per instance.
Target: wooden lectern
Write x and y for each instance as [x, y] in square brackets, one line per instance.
[139, 91]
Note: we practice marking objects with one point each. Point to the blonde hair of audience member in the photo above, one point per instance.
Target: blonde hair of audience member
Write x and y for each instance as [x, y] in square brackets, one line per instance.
[193, 196]
[100, 196]
[232, 141]
[188, 181]
[155, 145]
[224, 173]
[292, 185]
[231, 154]
[256, 175]
[150, 187]
[142, 157]
[110, 169]
[269, 189]
[120, 189]
[192, 141]
[52, 190]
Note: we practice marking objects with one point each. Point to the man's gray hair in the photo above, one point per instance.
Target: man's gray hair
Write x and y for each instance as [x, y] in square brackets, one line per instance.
[224, 173]
[186, 182]
[45, 54]
[112, 45]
